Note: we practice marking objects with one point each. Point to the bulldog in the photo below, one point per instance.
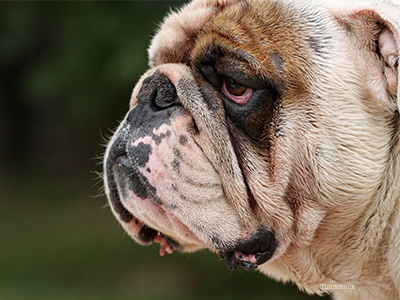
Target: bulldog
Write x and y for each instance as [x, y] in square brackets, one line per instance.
[268, 132]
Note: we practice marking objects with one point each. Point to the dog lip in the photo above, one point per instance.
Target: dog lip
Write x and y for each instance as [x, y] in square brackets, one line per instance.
[251, 253]
[148, 235]
[233, 260]
[119, 167]
[114, 196]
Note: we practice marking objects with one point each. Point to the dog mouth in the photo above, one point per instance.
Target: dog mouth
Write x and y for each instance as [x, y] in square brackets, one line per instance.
[252, 252]
[148, 235]
[123, 178]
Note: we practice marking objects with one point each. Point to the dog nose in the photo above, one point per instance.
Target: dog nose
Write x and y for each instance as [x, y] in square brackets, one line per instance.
[165, 95]
[157, 93]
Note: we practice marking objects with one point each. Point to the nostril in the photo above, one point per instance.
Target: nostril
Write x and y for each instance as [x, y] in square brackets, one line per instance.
[165, 95]
[157, 93]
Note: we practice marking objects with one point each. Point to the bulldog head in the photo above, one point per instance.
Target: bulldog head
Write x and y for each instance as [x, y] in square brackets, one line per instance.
[263, 131]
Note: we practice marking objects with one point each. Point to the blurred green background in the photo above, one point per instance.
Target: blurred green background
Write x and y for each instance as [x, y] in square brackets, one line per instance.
[66, 74]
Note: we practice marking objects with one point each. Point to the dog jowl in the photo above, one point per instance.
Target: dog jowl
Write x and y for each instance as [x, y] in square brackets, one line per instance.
[268, 132]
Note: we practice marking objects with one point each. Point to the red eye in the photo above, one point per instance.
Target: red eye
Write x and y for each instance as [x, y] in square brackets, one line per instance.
[236, 92]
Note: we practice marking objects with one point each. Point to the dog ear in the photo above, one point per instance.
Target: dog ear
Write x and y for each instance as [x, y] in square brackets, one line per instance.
[375, 32]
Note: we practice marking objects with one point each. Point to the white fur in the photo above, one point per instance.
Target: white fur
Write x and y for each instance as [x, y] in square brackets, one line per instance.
[346, 169]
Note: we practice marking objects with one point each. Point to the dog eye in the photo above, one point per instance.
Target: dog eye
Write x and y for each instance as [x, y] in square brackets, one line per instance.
[236, 92]
[234, 88]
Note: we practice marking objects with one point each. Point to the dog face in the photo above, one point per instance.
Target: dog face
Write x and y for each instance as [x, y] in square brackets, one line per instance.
[262, 131]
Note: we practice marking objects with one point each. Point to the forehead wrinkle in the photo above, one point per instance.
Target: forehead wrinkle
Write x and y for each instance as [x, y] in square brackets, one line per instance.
[271, 40]
[210, 44]
[245, 51]
[258, 39]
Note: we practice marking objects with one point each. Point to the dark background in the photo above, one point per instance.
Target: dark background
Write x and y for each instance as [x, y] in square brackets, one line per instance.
[66, 74]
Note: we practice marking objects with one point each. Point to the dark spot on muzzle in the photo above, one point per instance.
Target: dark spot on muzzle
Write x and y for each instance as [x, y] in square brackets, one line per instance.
[131, 176]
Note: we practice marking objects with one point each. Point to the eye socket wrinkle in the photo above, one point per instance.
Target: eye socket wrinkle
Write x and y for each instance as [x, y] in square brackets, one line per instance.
[215, 63]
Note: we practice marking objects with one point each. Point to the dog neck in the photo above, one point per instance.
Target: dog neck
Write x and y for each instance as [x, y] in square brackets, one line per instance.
[344, 253]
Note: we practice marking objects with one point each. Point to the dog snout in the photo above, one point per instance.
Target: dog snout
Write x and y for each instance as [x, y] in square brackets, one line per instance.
[157, 102]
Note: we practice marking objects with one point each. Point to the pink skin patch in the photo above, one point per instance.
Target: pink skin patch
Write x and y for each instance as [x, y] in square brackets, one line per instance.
[178, 180]
[245, 257]
[388, 49]
[166, 152]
